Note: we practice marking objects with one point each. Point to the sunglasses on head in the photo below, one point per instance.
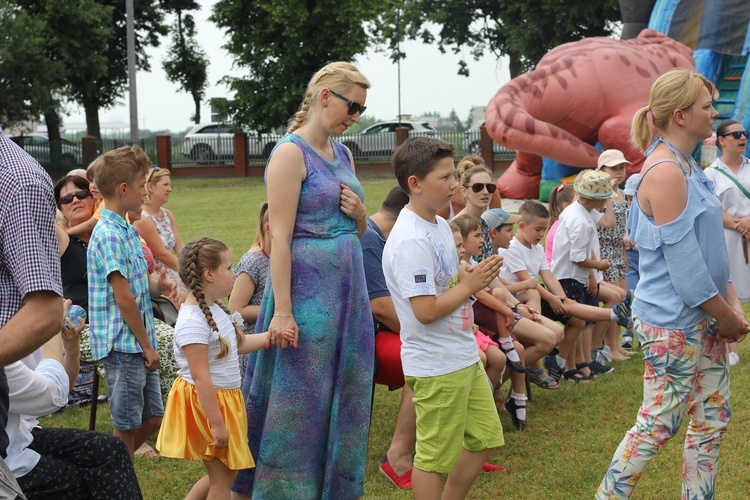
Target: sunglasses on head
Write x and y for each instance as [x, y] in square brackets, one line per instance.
[151, 174]
[477, 187]
[354, 107]
[68, 198]
[738, 134]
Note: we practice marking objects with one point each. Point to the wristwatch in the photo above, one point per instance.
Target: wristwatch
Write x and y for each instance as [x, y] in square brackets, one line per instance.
[514, 308]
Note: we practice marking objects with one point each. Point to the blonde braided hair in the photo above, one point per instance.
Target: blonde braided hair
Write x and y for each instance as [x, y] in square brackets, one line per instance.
[337, 76]
[195, 258]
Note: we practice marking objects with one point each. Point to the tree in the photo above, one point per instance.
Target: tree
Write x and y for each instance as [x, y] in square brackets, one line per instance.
[186, 63]
[282, 44]
[456, 121]
[523, 30]
[46, 43]
[104, 91]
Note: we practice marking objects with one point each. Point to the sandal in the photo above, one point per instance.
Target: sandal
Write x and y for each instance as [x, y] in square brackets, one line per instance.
[516, 366]
[554, 370]
[576, 376]
[548, 382]
[512, 406]
[581, 366]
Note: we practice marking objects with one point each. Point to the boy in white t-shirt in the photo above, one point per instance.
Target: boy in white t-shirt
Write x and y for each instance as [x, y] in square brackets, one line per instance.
[525, 258]
[457, 422]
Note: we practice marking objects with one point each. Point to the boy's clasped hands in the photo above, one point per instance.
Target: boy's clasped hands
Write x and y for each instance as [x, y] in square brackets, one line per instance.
[479, 276]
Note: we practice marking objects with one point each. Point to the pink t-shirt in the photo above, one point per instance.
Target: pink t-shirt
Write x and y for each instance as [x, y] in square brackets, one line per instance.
[550, 240]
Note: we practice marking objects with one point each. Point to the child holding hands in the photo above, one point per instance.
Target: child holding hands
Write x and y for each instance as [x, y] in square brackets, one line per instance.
[205, 413]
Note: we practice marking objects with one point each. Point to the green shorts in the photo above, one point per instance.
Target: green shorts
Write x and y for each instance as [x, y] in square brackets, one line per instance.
[454, 411]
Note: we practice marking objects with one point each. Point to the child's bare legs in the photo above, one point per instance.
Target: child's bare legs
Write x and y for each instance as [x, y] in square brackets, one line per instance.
[531, 298]
[584, 350]
[135, 438]
[482, 358]
[513, 359]
[604, 331]
[538, 339]
[219, 482]
[494, 365]
[572, 333]
[427, 485]
[464, 474]
[399, 454]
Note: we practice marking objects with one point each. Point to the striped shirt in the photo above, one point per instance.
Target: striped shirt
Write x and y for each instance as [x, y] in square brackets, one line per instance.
[115, 246]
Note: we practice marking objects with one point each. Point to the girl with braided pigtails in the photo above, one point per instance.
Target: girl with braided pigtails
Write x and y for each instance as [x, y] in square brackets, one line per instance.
[205, 412]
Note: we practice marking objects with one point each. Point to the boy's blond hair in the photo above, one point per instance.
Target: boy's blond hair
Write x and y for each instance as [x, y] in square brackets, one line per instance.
[91, 169]
[118, 166]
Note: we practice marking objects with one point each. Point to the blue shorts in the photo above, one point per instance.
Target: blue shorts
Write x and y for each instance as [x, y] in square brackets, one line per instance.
[574, 290]
[134, 393]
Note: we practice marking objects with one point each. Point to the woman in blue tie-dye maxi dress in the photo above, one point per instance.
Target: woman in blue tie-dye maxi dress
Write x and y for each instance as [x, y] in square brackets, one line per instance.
[309, 404]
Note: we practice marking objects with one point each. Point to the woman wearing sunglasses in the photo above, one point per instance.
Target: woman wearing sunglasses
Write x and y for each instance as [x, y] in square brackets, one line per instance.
[308, 401]
[76, 205]
[477, 190]
[731, 177]
[457, 201]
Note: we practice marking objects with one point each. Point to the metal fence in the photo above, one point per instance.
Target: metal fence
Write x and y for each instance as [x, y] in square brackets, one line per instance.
[471, 141]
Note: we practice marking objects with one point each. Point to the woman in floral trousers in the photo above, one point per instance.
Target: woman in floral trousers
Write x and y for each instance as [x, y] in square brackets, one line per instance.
[685, 307]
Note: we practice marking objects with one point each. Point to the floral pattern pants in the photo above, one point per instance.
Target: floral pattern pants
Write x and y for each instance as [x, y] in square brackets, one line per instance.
[686, 372]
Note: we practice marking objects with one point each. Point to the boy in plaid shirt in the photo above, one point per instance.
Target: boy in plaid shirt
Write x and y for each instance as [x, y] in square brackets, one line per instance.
[120, 311]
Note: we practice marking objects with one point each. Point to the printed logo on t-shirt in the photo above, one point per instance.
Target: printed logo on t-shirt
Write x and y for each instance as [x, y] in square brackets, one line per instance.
[420, 278]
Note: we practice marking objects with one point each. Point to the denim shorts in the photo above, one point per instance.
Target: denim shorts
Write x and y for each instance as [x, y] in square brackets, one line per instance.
[134, 393]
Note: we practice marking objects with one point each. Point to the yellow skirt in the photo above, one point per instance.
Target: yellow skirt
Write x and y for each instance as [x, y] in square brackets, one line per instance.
[186, 433]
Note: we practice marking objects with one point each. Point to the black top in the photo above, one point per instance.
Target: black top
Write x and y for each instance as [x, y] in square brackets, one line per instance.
[73, 268]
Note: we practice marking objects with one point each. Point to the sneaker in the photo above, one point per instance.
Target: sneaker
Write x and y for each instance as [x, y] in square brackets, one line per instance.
[621, 311]
[605, 354]
[627, 340]
[598, 368]
[734, 359]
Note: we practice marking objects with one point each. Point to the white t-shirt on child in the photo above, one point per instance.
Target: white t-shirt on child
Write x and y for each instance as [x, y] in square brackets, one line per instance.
[575, 239]
[420, 259]
[192, 328]
[518, 257]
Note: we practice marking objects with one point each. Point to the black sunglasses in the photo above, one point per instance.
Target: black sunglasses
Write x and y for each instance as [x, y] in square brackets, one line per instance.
[477, 187]
[354, 107]
[151, 174]
[738, 134]
[68, 198]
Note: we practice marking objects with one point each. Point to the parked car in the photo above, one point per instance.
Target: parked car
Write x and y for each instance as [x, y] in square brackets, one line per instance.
[380, 139]
[208, 142]
[38, 146]
[472, 143]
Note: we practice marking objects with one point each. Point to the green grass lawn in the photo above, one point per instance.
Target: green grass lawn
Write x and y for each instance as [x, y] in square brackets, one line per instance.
[572, 434]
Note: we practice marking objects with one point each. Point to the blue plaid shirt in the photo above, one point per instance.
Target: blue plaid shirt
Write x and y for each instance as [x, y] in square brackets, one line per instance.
[115, 246]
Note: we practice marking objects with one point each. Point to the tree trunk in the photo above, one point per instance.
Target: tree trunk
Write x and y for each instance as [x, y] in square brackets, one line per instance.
[514, 66]
[92, 116]
[52, 119]
[197, 101]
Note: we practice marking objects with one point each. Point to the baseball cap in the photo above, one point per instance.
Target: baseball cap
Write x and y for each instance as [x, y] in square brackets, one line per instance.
[611, 158]
[595, 185]
[631, 184]
[496, 217]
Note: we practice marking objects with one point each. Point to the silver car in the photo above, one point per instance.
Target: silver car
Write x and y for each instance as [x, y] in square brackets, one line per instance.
[210, 142]
[380, 139]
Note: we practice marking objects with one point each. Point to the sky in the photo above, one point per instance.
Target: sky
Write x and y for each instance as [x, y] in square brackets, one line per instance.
[429, 82]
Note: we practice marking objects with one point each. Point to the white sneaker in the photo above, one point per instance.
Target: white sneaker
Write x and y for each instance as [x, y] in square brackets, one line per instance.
[734, 359]
[607, 353]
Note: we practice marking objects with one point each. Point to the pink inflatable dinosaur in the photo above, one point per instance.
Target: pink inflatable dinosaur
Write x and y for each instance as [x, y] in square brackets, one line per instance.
[580, 92]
